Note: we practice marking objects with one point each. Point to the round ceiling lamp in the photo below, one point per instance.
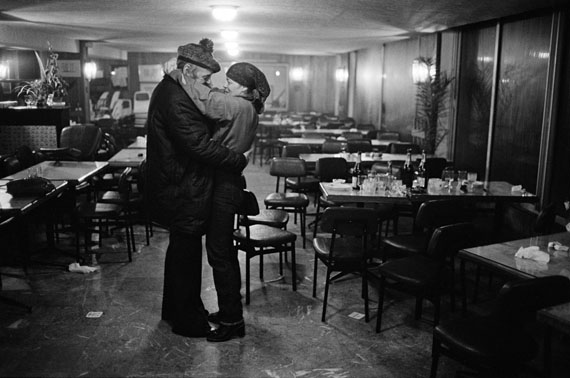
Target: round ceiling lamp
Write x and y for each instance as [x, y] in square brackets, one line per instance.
[224, 12]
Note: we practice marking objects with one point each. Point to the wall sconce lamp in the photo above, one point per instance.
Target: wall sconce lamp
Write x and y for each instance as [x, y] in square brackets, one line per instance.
[341, 74]
[224, 12]
[420, 71]
[90, 70]
[297, 74]
[4, 70]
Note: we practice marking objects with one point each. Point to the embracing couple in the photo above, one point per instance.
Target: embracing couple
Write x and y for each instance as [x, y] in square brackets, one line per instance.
[198, 143]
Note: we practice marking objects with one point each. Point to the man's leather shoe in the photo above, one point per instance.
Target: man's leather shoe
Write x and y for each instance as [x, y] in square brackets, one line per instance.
[226, 332]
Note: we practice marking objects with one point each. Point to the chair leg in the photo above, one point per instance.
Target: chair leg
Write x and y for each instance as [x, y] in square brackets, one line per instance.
[436, 309]
[303, 217]
[315, 277]
[434, 357]
[316, 223]
[365, 295]
[247, 272]
[381, 288]
[293, 267]
[419, 305]
[261, 264]
[325, 299]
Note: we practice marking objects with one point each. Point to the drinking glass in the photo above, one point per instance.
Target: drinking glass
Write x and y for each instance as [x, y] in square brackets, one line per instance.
[472, 176]
[461, 177]
[29, 101]
[447, 177]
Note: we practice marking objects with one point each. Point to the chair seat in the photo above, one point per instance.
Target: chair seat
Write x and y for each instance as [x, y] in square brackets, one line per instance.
[287, 200]
[262, 235]
[418, 271]
[270, 217]
[345, 249]
[409, 243]
[98, 210]
[486, 340]
[112, 196]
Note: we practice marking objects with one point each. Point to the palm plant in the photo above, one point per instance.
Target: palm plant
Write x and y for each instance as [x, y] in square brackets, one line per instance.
[432, 104]
[50, 82]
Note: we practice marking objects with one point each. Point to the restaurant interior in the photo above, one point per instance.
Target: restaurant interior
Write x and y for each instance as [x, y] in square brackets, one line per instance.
[429, 142]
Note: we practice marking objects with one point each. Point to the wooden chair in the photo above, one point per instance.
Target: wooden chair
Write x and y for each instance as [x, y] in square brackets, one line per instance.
[498, 344]
[347, 248]
[359, 145]
[296, 202]
[426, 276]
[402, 148]
[260, 240]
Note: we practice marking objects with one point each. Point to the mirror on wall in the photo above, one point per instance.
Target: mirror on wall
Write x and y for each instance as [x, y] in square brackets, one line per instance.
[277, 75]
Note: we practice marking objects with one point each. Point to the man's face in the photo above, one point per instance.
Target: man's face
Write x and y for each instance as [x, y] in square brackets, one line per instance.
[200, 74]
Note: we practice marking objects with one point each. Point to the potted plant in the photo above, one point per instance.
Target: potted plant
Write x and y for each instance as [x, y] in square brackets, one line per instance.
[431, 104]
[51, 85]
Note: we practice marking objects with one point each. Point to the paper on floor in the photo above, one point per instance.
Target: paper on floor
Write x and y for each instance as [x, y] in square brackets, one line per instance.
[76, 268]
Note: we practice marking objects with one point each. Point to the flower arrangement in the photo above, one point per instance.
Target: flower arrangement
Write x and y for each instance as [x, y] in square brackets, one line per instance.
[41, 91]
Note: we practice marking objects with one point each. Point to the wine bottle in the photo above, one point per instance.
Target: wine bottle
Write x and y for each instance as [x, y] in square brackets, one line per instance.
[407, 174]
[356, 172]
[421, 174]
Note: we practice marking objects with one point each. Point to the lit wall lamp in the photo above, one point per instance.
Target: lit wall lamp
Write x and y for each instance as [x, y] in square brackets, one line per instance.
[90, 70]
[420, 71]
[4, 70]
[341, 74]
[224, 12]
[297, 74]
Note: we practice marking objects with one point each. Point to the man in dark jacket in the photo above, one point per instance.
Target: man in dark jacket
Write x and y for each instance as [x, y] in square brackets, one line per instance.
[181, 160]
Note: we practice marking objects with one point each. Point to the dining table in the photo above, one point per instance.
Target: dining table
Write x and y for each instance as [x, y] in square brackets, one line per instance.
[140, 142]
[313, 142]
[127, 157]
[73, 172]
[366, 157]
[501, 257]
[326, 132]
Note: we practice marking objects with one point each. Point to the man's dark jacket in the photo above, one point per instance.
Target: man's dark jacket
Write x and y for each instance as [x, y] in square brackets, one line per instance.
[182, 159]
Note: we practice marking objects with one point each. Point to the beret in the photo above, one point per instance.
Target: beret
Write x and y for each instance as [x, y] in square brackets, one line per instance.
[200, 54]
[249, 76]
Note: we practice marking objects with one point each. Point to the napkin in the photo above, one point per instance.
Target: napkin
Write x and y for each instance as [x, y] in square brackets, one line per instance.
[76, 268]
[533, 253]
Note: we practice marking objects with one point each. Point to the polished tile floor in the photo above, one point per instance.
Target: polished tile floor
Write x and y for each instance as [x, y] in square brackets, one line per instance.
[285, 336]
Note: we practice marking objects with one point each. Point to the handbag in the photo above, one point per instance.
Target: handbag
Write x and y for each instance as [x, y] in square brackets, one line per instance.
[29, 187]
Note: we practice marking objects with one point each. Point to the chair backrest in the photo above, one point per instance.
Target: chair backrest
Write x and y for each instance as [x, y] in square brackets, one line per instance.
[333, 125]
[333, 146]
[366, 126]
[402, 148]
[85, 138]
[249, 204]
[294, 150]
[388, 135]
[349, 135]
[436, 213]
[544, 222]
[518, 300]
[287, 167]
[327, 169]
[349, 221]
[447, 240]
[124, 183]
[356, 145]
[141, 101]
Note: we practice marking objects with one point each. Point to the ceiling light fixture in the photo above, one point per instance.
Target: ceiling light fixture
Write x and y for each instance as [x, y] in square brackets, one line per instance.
[224, 12]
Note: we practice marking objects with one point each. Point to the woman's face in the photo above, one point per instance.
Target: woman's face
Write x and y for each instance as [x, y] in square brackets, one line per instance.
[234, 89]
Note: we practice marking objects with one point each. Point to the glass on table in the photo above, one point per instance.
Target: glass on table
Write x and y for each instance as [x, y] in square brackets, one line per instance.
[448, 176]
[461, 176]
[472, 176]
